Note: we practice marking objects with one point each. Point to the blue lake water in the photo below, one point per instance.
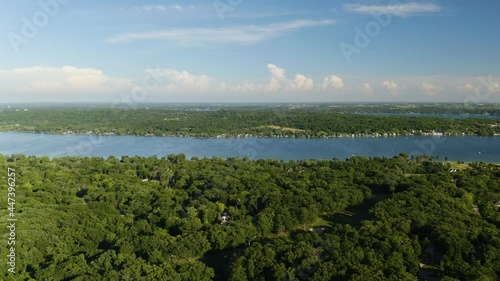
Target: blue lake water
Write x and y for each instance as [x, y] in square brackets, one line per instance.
[455, 148]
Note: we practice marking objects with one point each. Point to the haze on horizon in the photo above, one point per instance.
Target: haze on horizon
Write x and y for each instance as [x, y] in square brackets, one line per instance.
[250, 51]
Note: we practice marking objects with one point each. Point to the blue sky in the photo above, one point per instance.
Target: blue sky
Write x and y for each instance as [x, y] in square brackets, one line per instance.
[250, 51]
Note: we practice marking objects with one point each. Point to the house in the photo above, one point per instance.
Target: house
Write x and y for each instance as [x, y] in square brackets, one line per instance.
[225, 218]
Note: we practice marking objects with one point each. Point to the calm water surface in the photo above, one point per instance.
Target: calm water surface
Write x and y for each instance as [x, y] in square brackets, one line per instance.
[455, 148]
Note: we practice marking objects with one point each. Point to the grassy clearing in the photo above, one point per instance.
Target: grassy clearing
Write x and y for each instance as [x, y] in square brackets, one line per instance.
[293, 130]
[321, 222]
[356, 214]
[455, 165]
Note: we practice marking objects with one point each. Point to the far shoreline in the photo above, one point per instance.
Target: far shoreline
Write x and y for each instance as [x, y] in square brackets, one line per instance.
[249, 136]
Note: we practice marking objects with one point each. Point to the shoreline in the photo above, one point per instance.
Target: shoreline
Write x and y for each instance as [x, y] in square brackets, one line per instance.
[242, 136]
[457, 164]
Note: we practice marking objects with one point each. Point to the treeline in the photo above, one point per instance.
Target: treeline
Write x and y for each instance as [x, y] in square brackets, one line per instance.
[418, 108]
[140, 218]
[268, 123]
[383, 108]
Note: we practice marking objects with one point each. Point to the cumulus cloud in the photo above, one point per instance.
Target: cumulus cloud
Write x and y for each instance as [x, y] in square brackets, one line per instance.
[490, 85]
[367, 88]
[71, 80]
[391, 86]
[248, 87]
[66, 79]
[467, 88]
[302, 83]
[484, 85]
[494, 88]
[332, 82]
[401, 10]
[243, 34]
[48, 83]
[73, 83]
[431, 90]
[276, 72]
[278, 82]
[170, 80]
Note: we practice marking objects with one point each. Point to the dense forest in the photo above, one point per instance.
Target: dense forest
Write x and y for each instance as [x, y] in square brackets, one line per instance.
[170, 218]
[267, 122]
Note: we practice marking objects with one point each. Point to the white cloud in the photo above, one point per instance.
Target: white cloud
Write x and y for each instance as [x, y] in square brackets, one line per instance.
[489, 84]
[333, 82]
[248, 87]
[431, 90]
[482, 86]
[495, 88]
[276, 72]
[467, 88]
[278, 82]
[60, 82]
[173, 81]
[267, 14]
[401, 10]
[248, 34]
[302, 83]
[367, 88]
[277, 78]
[66, 79]
[163, 8]
[391, 86]
[154, 8]
[70, 83]
[44, 83]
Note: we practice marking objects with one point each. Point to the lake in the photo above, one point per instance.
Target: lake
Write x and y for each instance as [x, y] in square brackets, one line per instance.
[464, 148]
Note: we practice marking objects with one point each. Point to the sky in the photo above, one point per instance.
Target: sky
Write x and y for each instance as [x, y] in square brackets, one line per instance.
[249, 51]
